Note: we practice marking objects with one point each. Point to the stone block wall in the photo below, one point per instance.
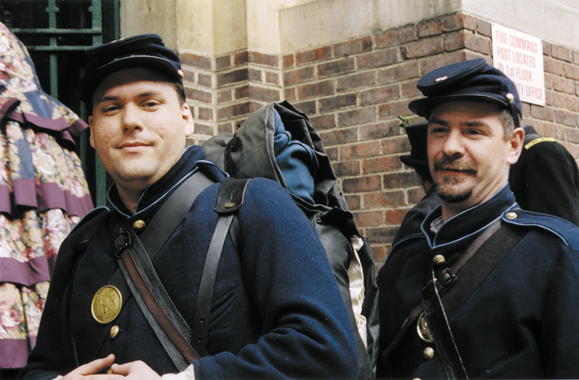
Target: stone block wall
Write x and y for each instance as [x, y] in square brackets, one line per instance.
[355, 93]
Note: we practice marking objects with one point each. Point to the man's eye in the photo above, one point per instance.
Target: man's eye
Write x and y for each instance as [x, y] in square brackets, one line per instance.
[109, 108]
[150, 104]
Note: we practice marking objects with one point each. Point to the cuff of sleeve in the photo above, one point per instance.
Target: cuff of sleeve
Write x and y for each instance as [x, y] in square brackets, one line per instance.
[188, 374]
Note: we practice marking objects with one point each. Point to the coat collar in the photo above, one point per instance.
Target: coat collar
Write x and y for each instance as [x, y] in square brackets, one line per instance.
[469, 223]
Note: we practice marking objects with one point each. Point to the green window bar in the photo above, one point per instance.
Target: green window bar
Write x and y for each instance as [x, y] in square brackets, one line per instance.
[56, 33]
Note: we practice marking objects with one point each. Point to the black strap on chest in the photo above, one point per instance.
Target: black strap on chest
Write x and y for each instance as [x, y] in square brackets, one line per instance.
[160, 228]
[456, 284]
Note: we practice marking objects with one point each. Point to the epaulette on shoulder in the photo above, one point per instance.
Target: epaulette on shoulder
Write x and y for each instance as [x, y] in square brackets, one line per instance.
[559, 227]
[538, 140]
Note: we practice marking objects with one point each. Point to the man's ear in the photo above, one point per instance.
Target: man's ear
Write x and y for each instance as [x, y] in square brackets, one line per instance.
[516, 145]
[91, 139]
[188, 119]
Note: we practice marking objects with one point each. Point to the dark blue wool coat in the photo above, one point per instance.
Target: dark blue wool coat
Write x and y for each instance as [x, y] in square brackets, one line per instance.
[276, 313]
[521, 322]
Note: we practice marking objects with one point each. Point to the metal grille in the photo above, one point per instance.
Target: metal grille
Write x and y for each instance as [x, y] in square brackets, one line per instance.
[56, 33]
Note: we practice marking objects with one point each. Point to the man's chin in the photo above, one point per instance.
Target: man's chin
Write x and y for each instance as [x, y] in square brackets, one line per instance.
[454, 196]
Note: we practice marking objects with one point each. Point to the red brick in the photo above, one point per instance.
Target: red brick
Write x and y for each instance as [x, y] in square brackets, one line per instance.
[379, 95]
[393, 109]
[298, 76]
[201, 129]
[573, 135]
[399, 144]
[332, 153]
[571, 71]
[430, 28]
[325, 88]
[253, 106]
[224, 96]
[353, 151]
[381, 164]
[205, 114]
[288, 61]
[353, 202]
[348, 82]
[553, 98]
[423, 48]
[562, 53]
[263, 59]
[378, 131]
[383, 199]
[225, 128]
[205, 80]
[323, 122]
[289, 94]
[549, 81]
[399, 73]
[395, 217]
[563, 85]
[336, 67]
[264, 94]
[409, 89]
[468, 40]
[377, 59]
[241, 58]
[242, 92]
[356, 46]
[233, 110]
[272, 78]
[553, 66]
[484, 27]
[223, 62]
[396, 36]
[199, 96]
[362, 184]
[446, 59]
[554, 131]
[188, 76]
[339, 136]
[232, 77]
[347, 168]
[357, 117]
[314, 55]
[566, 117]
[415, 195]
[369, 218]
[576, 57]
[254, 75]
[455, 22]
[544, 113]
[400, 180]
[337, 102]
[195, 60]
[546, 48]
[381, 235]
[571, 103]
[379, 253]
[309, 107]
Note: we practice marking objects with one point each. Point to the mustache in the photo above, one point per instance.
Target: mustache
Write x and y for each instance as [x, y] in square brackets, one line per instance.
[447, 163]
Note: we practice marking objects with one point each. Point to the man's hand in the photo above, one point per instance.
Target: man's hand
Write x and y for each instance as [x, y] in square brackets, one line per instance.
[135, 370]
[90, 370]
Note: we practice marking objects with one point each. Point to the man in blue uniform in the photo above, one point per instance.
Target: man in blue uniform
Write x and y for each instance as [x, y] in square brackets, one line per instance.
[487, 290]
[276, 311]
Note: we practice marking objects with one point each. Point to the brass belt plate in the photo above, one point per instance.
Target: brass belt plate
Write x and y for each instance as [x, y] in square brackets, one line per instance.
[106, 304]
[423, 330]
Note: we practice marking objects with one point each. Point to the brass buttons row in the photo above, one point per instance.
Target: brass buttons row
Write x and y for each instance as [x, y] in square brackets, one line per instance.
[114, 332]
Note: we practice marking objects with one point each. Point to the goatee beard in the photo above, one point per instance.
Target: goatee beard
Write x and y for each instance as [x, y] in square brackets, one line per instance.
[447, 163]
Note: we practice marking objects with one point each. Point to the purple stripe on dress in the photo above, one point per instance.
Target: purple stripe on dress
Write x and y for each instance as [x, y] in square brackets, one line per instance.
[26, 274]
[49, 196]
[24, 192]
[5, 204]
[13, 352]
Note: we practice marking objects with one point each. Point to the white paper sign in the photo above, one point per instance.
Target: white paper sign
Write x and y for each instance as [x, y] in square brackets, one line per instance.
[520, 57]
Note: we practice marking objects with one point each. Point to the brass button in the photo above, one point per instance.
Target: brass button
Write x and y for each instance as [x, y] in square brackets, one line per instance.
[511, 215]
[139, 225]
[438, 260]
[510, 97]
[428, 353]
[114, 332]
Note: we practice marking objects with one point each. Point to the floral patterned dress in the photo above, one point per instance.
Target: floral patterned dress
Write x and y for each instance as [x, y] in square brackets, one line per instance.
[43, 194]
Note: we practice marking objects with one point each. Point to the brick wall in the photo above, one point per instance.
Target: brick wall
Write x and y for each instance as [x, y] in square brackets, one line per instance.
[354, 91]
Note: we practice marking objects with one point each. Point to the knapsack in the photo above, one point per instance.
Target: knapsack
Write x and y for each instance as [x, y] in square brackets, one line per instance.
[278, 142]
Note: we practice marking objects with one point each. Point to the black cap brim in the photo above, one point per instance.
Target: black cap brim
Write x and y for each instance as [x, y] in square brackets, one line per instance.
[422, 107]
